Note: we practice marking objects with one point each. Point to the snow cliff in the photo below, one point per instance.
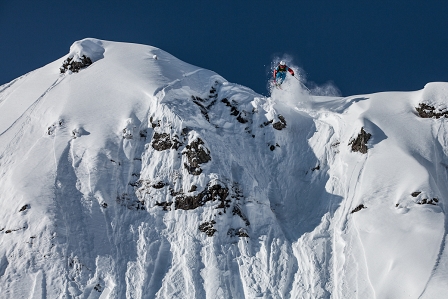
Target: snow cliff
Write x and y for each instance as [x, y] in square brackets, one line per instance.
[127, 173]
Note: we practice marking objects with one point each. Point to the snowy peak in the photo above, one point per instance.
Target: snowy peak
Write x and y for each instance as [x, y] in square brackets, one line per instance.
[89, 47]
[127, 173]
[82, 54]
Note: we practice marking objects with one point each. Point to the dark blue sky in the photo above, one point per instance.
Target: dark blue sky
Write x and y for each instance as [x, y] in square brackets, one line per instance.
[361, 46]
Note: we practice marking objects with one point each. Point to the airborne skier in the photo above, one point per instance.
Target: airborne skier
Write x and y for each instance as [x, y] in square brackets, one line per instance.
[280, 73]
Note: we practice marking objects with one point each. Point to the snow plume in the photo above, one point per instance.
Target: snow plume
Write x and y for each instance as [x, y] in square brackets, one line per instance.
[328, 89]
[299, 89]
[293, 91]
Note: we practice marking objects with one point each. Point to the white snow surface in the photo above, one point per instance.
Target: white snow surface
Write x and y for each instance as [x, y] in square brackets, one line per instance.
[89, 208]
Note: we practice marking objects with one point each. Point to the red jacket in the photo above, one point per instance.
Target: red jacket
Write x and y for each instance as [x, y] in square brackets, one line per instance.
[283, 68]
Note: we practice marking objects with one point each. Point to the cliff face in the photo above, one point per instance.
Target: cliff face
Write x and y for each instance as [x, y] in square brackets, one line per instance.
[127, 173]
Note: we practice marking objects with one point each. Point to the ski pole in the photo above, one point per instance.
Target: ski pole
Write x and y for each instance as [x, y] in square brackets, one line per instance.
[302, 84]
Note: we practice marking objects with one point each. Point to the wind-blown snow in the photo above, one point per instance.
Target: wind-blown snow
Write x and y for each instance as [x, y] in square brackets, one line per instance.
[142, 176]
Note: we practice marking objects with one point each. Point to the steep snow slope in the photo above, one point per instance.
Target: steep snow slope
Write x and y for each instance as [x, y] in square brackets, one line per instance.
[141, 176]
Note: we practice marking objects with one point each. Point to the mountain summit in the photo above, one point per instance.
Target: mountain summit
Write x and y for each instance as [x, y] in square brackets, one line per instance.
[127, 173]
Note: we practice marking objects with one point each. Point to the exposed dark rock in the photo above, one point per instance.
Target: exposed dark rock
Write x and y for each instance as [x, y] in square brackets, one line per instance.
[8, 231]
[166, 206]
[360, 143]
[127, 133]
[104, 205]
[237, 211]
[427, 111]
[70, 65]
[144, 187]
[358, 208]
[281, 124]
[241, 119]
[185, 131]
[78, 132]
[226, 101]
[132, 204]
[143, 133]
[197, 99]
[240, 232]
[427, 201]
[193, 170]
[196, 154]
[205, 104]
[211, 104]
[136, 184]
[176, 193]
[316, 168]
[272, 147]
[25, 207]
[266, 123]
[176, 142]
[335, 144]
[207, 228]
[163, 141]
[154, 124]
[193, 188]
[240, 116]
[212, 193]
[115, 162]
[204, 111]
[236, 192]
[159, 185]
[51, 129]
[98, 288]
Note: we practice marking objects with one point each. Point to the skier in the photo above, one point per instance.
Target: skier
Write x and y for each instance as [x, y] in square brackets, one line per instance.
[280, 73]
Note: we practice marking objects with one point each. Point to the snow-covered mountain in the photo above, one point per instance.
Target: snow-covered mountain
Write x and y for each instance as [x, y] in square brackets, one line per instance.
[127, 173]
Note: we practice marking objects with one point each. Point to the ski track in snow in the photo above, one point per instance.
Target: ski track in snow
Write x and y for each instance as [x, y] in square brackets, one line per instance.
[25, 118]
[4, 87]
[442, 256]
[100, 195]
[341, 226]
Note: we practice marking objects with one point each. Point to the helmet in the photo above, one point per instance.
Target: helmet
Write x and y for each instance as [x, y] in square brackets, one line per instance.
[282, 63]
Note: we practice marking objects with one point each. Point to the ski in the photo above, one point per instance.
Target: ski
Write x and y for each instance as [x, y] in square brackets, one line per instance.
[277, 85]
